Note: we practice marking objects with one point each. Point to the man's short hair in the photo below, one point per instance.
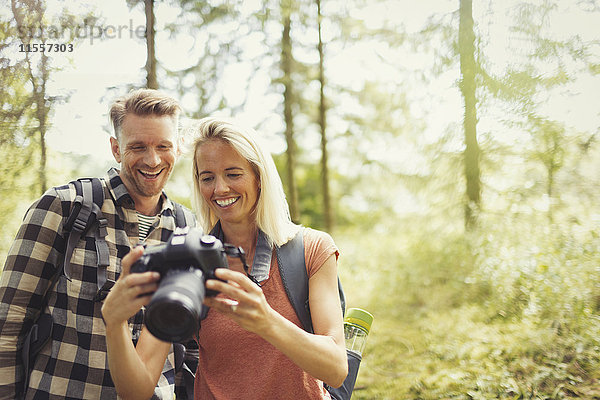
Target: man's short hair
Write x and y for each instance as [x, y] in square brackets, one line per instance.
[143, 102]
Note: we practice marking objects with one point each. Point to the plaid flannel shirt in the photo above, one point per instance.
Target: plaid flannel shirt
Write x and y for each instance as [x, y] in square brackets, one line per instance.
[73, 365]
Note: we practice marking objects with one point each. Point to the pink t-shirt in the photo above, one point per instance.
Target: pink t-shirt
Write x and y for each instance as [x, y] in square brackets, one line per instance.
[237, 364]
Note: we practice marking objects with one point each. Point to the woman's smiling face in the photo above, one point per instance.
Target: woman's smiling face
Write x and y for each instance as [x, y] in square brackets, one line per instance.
[228, 182]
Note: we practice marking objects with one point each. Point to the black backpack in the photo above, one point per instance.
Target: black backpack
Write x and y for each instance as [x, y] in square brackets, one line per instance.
[85, 214]
[292, 268]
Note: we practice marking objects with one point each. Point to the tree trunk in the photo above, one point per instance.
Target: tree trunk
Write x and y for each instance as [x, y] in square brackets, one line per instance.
[552, 156]
[42, 117]
[466, 46]
[288, 101]
[151, 81]
[327, 211]
[42, 113]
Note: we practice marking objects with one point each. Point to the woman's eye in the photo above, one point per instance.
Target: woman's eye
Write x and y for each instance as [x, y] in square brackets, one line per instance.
[207, 179]
[234, 175]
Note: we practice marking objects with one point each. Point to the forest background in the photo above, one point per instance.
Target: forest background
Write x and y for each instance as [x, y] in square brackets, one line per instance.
[450, 147]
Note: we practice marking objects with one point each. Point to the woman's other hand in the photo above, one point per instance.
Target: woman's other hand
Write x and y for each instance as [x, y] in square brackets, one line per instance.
[241, 300]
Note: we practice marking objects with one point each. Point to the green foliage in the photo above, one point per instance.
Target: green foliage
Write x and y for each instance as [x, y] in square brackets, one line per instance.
[540, 271]
[179, 188]
[509, 311]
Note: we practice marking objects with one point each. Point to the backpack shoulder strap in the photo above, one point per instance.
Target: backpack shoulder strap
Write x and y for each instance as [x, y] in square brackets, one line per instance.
[80, 217]
[342, 297]
[292, 268]
[182, 219]
[86, 212]
[102, 251]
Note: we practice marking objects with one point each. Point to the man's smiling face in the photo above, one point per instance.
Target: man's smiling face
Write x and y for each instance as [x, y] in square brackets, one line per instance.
[147, 151]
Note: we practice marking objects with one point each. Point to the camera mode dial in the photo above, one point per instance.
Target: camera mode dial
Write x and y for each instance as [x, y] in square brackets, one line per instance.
[207, 240]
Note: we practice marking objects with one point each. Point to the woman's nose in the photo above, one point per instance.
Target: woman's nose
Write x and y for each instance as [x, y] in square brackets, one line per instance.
[221, 186]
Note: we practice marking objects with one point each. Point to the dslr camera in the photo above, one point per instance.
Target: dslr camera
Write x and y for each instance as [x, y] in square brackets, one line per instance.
[184, 262]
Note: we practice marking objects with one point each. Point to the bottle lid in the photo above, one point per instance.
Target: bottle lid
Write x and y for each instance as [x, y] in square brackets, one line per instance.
[359, 317]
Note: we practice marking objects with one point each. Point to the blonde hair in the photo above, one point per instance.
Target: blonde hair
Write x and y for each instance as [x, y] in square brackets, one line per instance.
[143, 102]
[272, 210]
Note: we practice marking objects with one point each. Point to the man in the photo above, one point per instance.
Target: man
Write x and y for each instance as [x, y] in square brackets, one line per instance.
[73, 363]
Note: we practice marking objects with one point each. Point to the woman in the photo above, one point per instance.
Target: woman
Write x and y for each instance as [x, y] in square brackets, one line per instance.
[251, 344]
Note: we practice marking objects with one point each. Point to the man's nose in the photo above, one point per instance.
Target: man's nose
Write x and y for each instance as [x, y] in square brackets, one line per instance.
[151, 158]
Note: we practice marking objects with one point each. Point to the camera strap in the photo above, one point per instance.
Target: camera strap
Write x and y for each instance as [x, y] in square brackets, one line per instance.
[261, 264]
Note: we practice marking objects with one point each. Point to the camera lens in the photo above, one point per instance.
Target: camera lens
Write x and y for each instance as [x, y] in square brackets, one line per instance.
[173, 314]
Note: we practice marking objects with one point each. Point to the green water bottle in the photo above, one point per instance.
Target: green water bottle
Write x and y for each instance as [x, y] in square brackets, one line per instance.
[357, 324]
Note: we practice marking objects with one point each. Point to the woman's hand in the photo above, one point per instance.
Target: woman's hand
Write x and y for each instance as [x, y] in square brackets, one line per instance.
[130, 292]
[241, 300]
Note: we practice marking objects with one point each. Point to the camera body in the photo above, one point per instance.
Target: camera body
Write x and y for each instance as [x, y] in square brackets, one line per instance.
[184, 262]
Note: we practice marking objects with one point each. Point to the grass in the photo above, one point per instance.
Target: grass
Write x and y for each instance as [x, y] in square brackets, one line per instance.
[440, 334]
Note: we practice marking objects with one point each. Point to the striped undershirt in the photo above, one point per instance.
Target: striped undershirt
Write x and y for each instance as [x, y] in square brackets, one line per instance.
[145, 223]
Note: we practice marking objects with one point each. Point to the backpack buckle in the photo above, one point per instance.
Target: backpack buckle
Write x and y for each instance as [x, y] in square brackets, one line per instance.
[79, 225]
